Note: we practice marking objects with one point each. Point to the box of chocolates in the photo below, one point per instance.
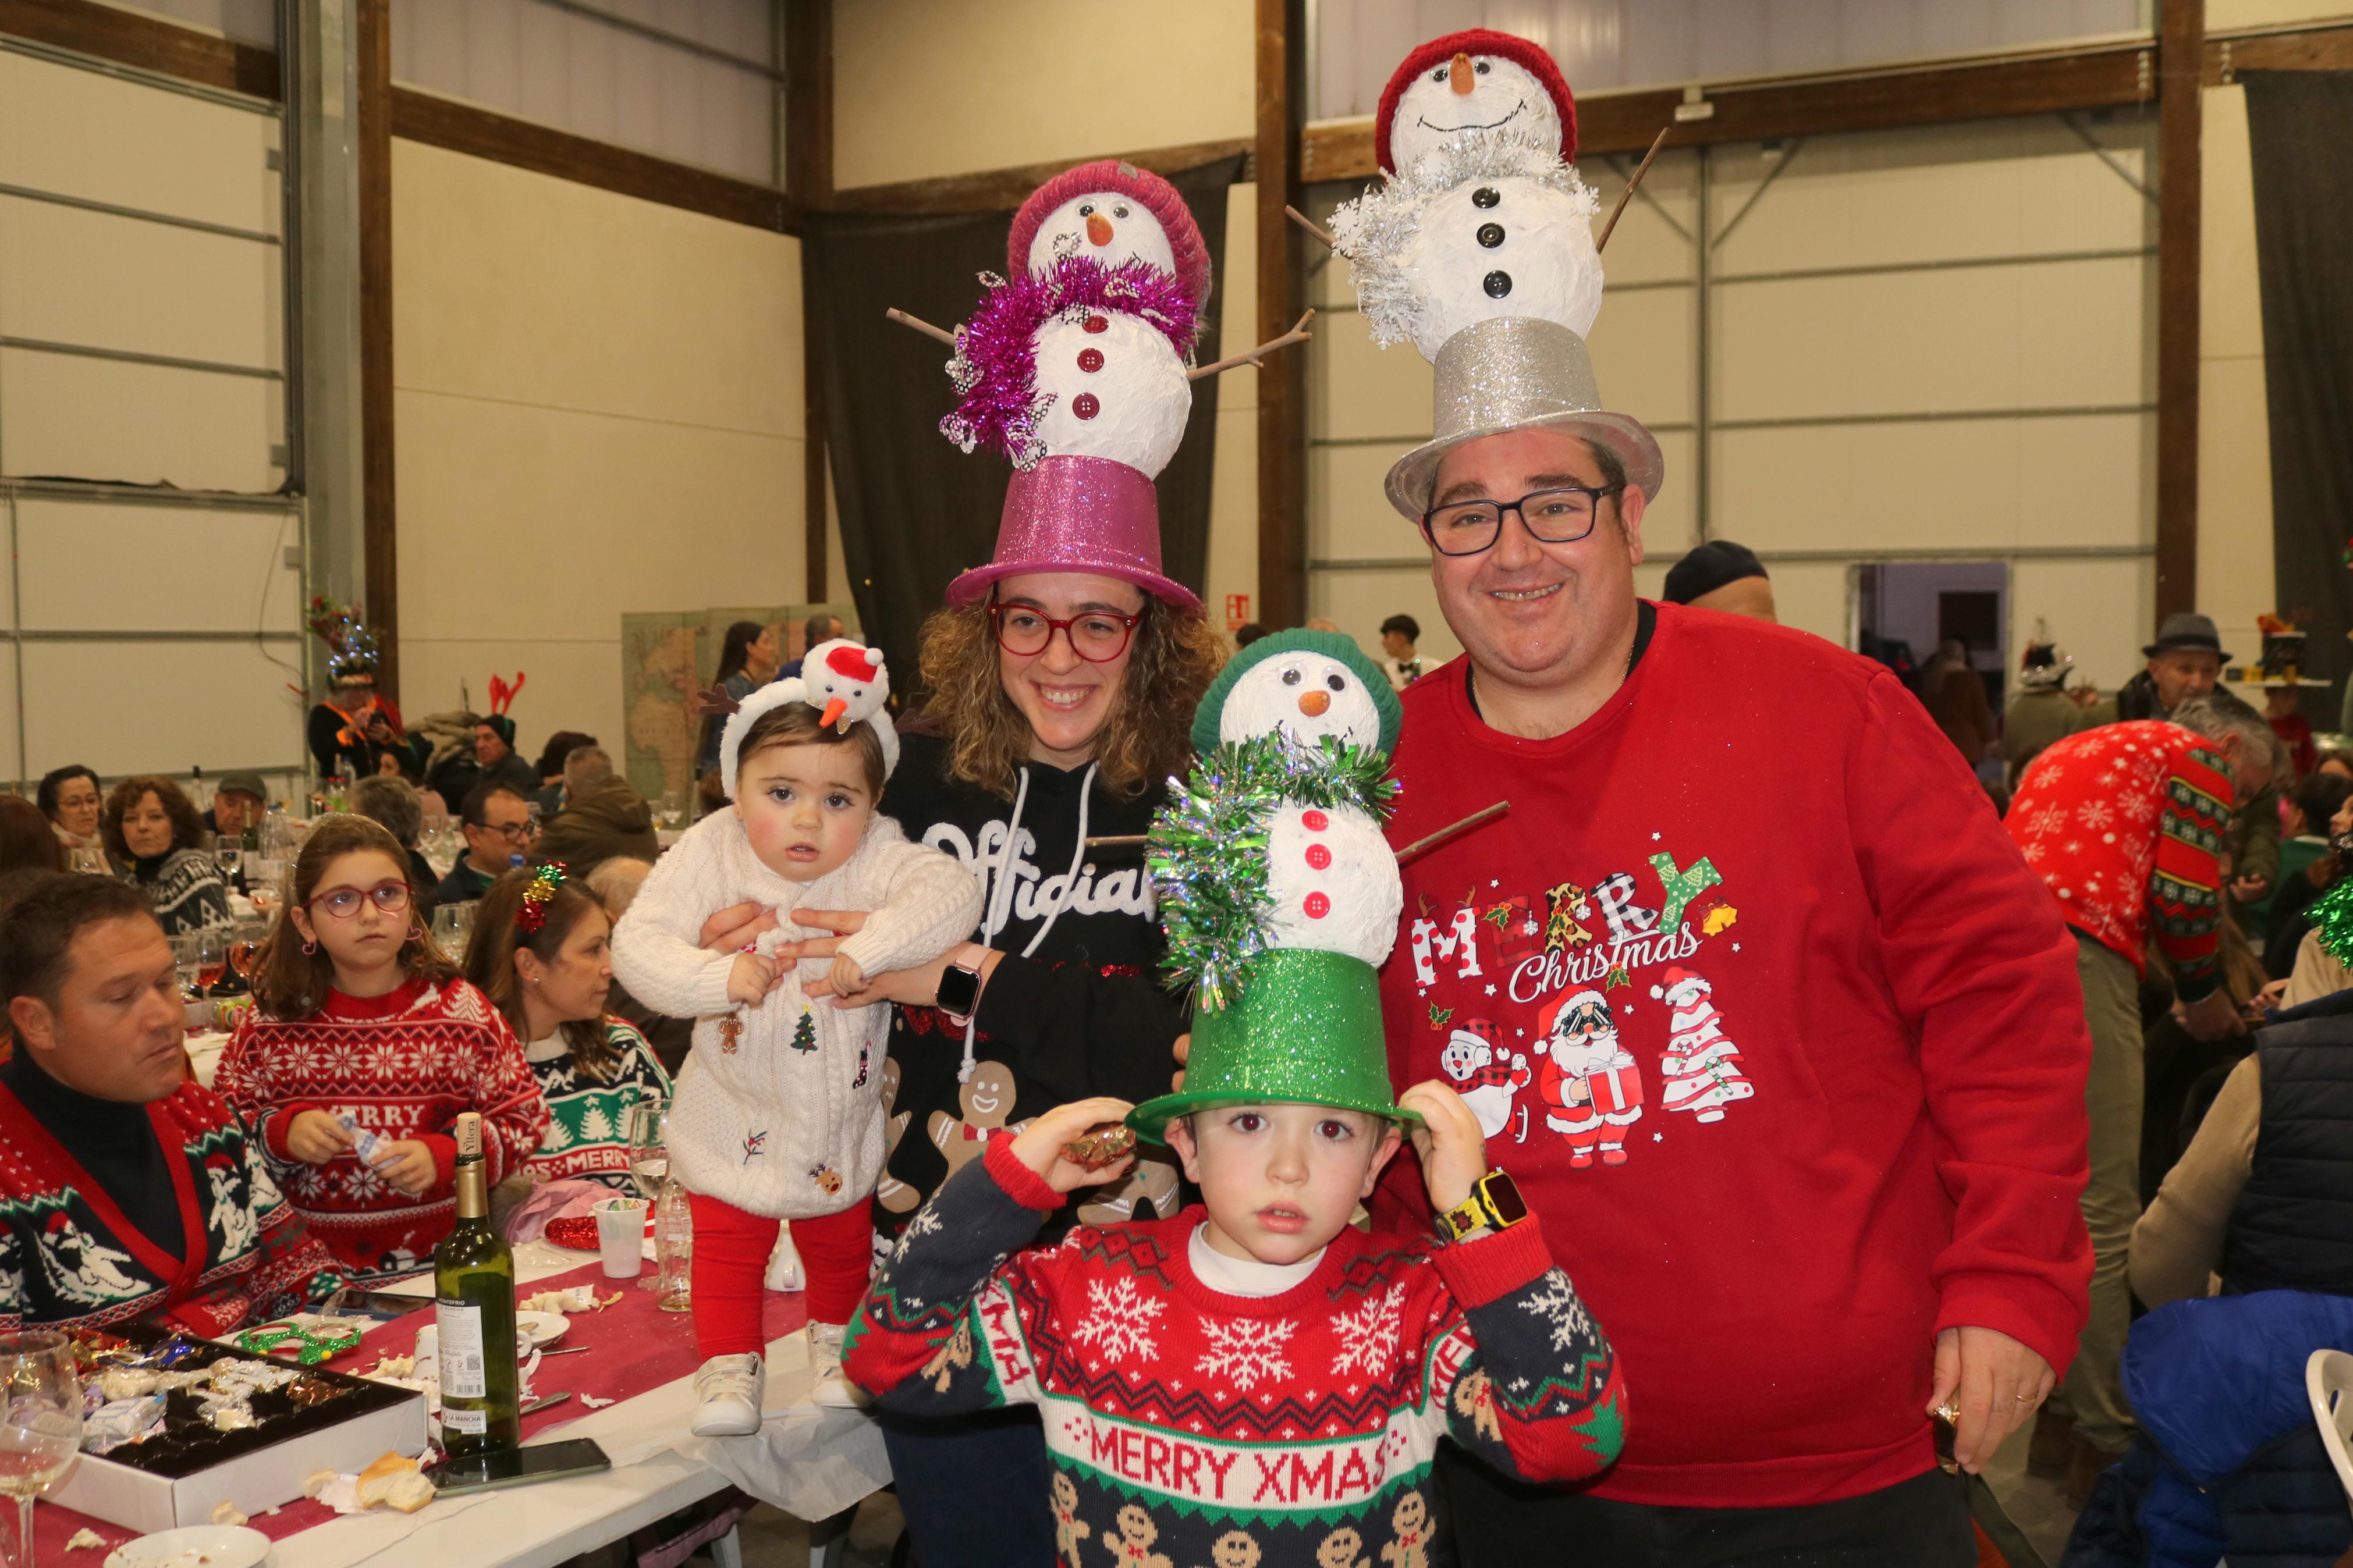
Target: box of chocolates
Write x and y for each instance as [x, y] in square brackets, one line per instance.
[175, 1430]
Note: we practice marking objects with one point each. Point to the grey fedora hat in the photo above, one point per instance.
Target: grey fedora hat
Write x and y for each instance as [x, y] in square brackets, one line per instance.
[1519, 373]
[2187, 629]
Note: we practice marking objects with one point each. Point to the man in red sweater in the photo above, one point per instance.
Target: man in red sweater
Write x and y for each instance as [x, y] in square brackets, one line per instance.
[2126, 825]
[1808, 1113]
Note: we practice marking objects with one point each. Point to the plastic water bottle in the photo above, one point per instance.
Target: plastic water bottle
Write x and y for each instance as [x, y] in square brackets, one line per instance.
[673, 1248]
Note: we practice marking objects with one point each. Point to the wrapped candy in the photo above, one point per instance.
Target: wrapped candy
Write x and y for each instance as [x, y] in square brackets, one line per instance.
[120, 1421]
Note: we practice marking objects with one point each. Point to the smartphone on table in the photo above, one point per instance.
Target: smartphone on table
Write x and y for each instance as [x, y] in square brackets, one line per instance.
[518, 1466]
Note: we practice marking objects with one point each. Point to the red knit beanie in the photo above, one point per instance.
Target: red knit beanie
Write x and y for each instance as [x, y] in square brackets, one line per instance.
[1157, 196]
[1529, 57]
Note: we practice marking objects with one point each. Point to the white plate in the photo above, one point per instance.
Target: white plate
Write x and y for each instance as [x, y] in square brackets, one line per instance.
[194, 1546]
[541, 1329]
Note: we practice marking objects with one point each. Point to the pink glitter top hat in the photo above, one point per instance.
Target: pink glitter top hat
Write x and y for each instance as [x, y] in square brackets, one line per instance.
[1079, 514]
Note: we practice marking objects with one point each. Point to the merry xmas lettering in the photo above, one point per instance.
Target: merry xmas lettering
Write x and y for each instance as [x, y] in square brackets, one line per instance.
[1126, 891]
[1207, 1472]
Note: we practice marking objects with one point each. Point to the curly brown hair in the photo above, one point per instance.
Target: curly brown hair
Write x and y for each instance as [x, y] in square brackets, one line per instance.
[1146, 739]
[289, 982]
[187, 828]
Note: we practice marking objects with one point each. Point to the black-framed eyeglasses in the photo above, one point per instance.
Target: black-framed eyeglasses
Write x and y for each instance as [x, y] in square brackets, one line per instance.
[1096, 636]
[345, 902]
[1561, 516]
[513, 832]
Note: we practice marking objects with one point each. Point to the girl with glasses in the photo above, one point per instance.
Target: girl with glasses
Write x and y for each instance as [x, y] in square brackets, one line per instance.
[362, 1049]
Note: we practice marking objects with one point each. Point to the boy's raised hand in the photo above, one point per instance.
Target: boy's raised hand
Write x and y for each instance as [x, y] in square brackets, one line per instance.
[1452, 1147]
[1040, 1146]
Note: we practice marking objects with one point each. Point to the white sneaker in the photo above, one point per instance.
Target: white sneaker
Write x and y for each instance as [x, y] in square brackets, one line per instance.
[827, 1385]
[785, 1272]
[730, 1387]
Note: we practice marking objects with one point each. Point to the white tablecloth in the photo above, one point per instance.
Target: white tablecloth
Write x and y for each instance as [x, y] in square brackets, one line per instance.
[811, 1462]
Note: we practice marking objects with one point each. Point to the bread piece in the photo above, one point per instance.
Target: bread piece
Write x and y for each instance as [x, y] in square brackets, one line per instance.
[316, 1482]
[227, 1513]
[375, 1481]
[408, 1491]
[86, 1541]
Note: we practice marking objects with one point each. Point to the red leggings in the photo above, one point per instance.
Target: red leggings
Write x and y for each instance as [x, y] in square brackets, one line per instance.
[730, 1258]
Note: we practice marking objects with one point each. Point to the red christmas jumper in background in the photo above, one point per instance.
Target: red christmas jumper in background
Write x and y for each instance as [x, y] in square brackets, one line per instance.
[403, 1064]
[2124, 823]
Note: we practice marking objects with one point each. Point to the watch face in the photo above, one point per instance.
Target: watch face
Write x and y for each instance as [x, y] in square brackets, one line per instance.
[959, 989]
[1504, 1199]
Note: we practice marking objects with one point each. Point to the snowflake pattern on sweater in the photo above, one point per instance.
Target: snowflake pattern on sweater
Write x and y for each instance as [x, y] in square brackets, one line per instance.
[2124, 824]
[404, 1066]
[1190, 1427]
[68, 1256]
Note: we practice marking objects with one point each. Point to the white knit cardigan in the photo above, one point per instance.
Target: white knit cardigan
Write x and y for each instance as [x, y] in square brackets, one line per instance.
[775, 1127]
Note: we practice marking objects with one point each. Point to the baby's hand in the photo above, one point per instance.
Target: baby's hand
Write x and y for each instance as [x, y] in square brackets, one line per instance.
[846, 978]
[752, 978]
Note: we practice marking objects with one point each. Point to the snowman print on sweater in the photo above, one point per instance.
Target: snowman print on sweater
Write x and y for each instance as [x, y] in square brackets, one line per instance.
[986, 1100]
[1592, 1089]
[1484, 1077]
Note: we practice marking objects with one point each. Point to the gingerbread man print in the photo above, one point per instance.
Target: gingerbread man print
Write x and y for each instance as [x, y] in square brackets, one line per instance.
[986, 1100]
[1411, 1547]
[1137, 1534]
[1070, 1530]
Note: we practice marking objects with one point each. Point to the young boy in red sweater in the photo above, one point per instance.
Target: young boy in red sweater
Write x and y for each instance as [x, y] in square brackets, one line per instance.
[1254, 1380]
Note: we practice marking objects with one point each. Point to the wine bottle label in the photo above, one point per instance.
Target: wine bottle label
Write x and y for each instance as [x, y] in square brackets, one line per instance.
[463, 1373]
[470, 1422]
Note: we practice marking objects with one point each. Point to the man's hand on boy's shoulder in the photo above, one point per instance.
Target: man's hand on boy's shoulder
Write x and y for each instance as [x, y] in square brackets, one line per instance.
[1042, 1145]
[1452, 1147]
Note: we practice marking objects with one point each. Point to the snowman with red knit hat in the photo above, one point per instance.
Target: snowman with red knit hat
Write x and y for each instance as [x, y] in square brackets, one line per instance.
[1701, 1070]
[1487, 1075]
[1481, 216]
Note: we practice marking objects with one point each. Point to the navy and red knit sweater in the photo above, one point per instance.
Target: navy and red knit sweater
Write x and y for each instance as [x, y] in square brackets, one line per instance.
[1187, 1426]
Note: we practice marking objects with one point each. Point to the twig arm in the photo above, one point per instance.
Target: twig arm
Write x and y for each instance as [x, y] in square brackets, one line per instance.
[1298, 334]
[1626, 195]
[919, 325]
[1311, 225]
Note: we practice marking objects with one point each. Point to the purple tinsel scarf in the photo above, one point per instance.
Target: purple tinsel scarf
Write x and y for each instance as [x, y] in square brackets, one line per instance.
[995, 368]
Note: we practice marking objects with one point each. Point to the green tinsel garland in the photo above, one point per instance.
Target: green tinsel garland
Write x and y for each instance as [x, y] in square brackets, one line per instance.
[2332, 916]
[1208, 844]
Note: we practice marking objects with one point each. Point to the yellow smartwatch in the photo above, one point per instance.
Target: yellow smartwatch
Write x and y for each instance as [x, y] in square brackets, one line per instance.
[1494, 1203]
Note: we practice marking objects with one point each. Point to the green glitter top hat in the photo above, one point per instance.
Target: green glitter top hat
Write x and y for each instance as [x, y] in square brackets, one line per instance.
[1306, 1031]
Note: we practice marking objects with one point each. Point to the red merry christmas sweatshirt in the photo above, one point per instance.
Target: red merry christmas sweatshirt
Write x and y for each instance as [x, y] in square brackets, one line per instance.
[1774, 1029]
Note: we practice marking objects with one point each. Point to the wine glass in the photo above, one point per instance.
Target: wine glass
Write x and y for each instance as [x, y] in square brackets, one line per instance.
[645, 1124]
[228, 854]
[671, 808]
[453, 929]
[40, 1422]
[183, 957]
[90, 862]
[212, 957]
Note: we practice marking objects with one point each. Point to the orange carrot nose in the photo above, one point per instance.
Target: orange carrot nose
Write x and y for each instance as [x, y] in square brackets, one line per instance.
[1098, 229]
[1458, 75]
[1314, 703]
[833, 711]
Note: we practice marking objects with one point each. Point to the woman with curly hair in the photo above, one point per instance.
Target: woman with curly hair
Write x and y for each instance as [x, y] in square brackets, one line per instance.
[152, 828]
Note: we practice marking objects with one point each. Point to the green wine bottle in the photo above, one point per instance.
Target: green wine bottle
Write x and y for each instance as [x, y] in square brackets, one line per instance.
[473, 1284]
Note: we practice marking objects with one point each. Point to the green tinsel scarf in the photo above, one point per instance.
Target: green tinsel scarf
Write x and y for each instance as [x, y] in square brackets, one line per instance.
[1208, 850]
[2332, 917]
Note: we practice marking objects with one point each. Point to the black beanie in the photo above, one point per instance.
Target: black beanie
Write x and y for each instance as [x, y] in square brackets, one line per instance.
[1710, 567]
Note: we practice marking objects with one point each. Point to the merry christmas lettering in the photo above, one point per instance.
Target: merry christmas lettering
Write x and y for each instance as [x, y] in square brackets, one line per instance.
[1126, 891]
[1542, 974]
[1207, 1472]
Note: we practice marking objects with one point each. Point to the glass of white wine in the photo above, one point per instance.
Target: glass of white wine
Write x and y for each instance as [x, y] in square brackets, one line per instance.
[644, 1127]
[40, 1423]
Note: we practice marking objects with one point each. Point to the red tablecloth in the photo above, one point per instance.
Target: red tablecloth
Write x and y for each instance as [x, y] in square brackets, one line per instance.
[634, 1347]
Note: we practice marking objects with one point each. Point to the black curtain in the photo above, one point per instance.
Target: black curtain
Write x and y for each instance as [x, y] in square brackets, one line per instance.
[2304, 256]
[914, 509]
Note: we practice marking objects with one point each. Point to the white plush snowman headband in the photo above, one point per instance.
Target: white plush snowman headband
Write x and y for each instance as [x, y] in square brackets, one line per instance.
[847, 684]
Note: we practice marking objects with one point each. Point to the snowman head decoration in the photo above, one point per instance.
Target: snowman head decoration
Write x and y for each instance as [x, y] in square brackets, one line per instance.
[846, 683]
[1476, 80]
[1303, 685]
[1111, 213]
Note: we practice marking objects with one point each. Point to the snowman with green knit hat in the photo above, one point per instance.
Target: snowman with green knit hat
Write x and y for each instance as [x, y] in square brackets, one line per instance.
[1280, 894]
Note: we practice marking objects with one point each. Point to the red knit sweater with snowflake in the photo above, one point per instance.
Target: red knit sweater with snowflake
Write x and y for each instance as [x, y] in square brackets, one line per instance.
[1183, 1421]
[2124, 824]
[404, 1064]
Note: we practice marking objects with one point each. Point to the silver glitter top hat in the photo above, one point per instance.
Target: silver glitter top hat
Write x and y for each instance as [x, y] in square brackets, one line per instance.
[1519, 373]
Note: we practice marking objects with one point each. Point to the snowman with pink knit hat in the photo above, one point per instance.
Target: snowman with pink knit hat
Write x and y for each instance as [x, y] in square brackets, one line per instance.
[1078, 367]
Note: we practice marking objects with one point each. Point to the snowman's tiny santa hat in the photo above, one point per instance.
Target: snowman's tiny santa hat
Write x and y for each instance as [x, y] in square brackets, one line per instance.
[1675, 980]
[1528, 55]
[1155, 194]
